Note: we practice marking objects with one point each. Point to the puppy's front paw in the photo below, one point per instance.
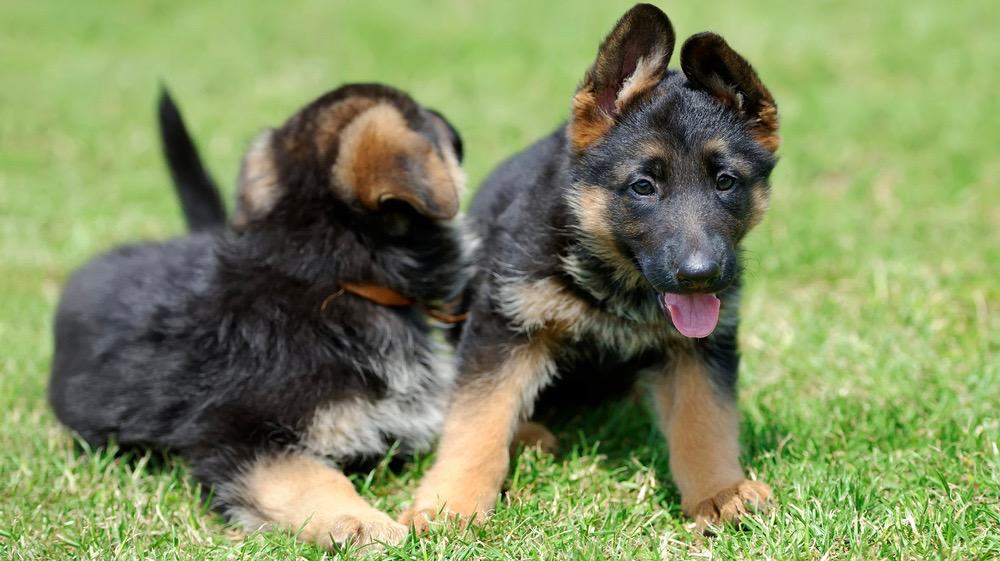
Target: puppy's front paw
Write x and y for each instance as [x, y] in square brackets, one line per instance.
[729, 504]
[371, 529]
[464, 509]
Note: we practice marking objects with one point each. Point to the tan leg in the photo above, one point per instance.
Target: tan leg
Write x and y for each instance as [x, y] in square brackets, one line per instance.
[702, 427]
[534, 435]
[301, 494]
[473, 456]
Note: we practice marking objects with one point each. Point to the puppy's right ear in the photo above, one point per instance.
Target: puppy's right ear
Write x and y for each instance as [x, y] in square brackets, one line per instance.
[711, 65]
[630, 62]
[257, 189]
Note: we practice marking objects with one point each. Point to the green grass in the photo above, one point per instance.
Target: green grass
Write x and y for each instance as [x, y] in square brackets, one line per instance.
[871, 382]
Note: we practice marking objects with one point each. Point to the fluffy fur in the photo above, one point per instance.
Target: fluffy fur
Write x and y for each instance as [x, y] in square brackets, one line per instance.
[584, 231]
[237, 347]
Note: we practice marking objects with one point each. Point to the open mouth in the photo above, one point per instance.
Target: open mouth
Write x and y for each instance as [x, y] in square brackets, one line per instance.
[694, 315]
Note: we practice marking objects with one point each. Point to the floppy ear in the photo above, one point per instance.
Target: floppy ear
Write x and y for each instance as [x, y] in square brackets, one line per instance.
[630, 62]
[257, 189]
[382, 159]
[711, 65]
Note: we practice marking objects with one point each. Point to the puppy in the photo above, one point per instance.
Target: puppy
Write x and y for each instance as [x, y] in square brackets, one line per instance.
[272, 356]
[612, 248]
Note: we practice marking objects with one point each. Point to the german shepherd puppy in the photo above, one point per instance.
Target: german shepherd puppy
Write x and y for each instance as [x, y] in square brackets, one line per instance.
[272, 356]
[612, 248]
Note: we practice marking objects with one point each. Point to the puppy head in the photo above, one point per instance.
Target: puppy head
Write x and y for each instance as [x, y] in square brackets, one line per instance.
[670, 170]
[362, 148]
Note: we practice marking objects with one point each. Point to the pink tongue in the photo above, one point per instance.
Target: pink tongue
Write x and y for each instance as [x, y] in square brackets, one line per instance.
[694, 315]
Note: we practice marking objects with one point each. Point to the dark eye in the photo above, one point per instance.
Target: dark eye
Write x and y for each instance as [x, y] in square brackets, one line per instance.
[642, 187]
[725, 182]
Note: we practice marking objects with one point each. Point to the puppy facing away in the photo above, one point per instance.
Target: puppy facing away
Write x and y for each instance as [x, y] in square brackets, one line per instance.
[611, 249]
[272, 354]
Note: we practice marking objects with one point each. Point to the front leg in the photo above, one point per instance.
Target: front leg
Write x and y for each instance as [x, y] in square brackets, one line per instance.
[697, 409]
[473, 455]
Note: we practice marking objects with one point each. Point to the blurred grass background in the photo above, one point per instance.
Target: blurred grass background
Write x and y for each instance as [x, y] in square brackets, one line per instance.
[871, 379]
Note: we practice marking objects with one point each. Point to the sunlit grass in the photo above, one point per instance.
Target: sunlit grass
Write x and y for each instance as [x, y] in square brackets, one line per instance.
[871, 329]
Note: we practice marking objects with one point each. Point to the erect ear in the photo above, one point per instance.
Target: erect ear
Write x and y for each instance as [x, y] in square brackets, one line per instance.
[257, 189]
[454, 138]
[711, 65]
[382, 159]
[630, 62]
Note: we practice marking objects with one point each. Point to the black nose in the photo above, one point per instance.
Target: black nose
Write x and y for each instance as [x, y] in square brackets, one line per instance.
[698, 271]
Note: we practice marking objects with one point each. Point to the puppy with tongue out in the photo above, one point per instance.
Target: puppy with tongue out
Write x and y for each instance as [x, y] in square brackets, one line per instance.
[694, 311]
[694, 315]
[610, 247]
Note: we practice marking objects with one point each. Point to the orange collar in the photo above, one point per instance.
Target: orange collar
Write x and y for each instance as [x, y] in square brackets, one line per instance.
[385, 296]
[381, 295]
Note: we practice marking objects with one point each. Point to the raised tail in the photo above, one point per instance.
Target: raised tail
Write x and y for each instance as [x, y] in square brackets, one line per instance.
[200, 200]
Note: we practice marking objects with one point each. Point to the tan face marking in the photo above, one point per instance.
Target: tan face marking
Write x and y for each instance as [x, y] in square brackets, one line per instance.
[381, 158]
[473, 455]
[590, 206]
[760, 199]
[297, 493]
[702, 428]
[716, 146]
[653, 149]
[759, 193]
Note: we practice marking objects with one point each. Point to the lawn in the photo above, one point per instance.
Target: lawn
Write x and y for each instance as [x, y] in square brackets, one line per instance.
[870, 387]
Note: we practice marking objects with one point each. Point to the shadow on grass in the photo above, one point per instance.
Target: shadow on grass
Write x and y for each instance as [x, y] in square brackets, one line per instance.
[625, 433]
[135, 458]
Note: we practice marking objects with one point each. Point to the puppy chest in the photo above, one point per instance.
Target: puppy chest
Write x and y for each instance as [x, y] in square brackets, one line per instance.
[547, 305]
[410, 412]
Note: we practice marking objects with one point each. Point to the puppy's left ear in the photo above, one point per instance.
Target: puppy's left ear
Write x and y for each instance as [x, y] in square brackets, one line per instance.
[453, 137]
[258, 188]
[382, 159]
[630, 63]
[711, 65]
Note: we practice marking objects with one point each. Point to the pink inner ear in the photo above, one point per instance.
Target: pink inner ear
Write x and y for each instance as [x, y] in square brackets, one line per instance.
[607, 97]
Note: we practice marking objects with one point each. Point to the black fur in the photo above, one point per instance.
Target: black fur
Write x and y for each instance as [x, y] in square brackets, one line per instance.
[524, 215]
[222, 346]
[200, 201]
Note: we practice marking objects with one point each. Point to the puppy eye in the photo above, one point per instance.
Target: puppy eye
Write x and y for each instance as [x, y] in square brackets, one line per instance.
[643, 187]
[725, 182]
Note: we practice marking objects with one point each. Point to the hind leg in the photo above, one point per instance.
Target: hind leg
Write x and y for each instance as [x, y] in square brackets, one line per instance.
[300, 494]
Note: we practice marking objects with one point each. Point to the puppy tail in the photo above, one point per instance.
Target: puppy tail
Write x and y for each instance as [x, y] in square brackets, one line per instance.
[200, 199]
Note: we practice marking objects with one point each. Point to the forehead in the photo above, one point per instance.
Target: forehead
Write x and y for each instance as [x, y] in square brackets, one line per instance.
[681, 120]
